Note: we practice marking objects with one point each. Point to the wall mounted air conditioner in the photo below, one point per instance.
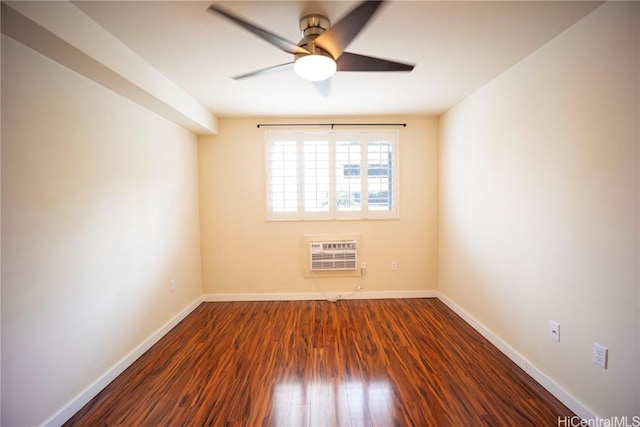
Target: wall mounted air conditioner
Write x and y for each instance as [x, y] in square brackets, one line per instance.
[334, 255]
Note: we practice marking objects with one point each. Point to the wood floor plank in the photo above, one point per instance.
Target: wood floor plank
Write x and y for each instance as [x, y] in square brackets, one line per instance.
[314, 363]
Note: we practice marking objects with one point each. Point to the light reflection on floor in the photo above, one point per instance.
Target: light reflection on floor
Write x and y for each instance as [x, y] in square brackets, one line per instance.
[334, 402]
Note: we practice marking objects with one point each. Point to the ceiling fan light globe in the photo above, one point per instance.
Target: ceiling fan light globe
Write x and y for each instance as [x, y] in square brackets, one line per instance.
[315, 67]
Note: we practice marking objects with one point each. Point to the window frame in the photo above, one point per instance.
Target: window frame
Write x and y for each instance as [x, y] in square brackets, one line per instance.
[364, 138]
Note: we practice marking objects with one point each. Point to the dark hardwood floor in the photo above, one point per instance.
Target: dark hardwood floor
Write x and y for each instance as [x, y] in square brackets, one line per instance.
[396, 362]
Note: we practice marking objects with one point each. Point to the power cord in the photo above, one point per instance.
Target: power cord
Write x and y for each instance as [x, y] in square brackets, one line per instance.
[340, 296]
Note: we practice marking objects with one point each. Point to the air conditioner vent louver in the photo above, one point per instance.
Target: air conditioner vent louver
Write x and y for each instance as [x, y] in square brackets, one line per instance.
[336, 255]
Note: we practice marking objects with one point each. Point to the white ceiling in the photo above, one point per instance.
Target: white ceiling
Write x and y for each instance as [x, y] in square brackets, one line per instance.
[457, 47]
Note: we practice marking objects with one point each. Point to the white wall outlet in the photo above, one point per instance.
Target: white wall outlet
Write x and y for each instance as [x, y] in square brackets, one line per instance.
[600, 355]
[394, 265]
[172, 286]
[554, 330]
[363, 265]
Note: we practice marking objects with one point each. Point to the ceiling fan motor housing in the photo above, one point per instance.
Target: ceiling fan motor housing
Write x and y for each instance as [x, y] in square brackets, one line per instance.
[312, 26]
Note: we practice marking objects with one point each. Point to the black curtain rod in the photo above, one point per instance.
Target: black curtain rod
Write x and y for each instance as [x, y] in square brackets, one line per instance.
[329, 124]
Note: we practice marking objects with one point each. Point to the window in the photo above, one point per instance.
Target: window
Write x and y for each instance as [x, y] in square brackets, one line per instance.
[332, 175]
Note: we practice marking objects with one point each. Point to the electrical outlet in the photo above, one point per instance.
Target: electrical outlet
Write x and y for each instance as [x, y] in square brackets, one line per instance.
[554, 330]
[600, 355]
[172, 286]
[363, 265]
[394, 265]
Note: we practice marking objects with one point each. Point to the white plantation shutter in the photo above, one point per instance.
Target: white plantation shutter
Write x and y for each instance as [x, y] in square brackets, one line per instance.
[332, 175]
[348, 175]
[316, 176]
[283, 169]
[380, 175]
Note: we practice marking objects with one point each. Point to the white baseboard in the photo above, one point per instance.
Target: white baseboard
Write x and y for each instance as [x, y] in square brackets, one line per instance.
[310, 296]
[535, 373]
[90, 392]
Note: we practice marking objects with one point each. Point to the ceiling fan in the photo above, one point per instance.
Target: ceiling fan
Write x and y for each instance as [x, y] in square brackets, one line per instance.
[320, 52]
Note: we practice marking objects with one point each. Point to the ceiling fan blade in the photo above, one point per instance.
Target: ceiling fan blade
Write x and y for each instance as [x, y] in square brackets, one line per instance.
[266, 35]
[336, 39]
[323, 87]
[263, 71]
[354, 62]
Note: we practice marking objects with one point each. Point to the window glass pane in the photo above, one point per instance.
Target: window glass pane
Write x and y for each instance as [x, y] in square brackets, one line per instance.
[316, 176]
[380, 175]
[284, 176]
[348, 176]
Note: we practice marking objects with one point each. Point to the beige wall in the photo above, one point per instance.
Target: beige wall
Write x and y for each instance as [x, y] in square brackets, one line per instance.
[244, 254]
[540, 207]
[99, 212]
